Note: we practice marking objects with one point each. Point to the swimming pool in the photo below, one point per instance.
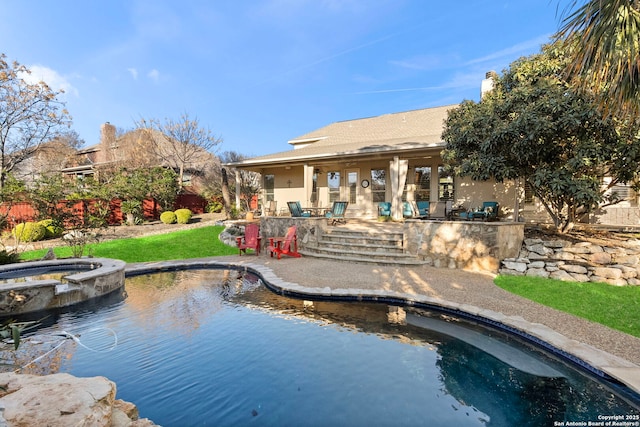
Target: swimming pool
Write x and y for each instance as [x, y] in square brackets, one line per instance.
[215, 347]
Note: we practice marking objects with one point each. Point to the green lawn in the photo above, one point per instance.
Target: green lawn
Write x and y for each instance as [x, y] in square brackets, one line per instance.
[615, 306]
[193, 243]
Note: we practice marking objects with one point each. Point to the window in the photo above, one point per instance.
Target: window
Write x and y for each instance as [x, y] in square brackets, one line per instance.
[422, 179]
[445, 184]
[269, 185]
[333, 183]
[352, 182]
[378, 185]
[621, 192]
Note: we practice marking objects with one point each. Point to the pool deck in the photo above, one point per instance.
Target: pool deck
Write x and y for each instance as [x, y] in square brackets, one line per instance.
[612, 352]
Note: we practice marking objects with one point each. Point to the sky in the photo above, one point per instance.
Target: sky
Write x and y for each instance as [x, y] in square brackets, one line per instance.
[258, 73]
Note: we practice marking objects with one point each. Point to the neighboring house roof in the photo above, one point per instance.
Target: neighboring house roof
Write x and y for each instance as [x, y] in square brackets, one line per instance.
[396, 132]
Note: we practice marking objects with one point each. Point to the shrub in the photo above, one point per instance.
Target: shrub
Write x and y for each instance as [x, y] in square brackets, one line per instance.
[8, 257]
[29, 231]
[51, 228]
[214, 207]
[183, 216]
[168, 217]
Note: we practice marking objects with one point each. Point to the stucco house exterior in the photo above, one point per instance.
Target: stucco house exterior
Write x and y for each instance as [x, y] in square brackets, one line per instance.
[394, 157]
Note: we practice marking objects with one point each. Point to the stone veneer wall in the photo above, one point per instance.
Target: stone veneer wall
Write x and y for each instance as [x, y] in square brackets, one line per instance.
[468, 245]
[477, 246]
[579, 262]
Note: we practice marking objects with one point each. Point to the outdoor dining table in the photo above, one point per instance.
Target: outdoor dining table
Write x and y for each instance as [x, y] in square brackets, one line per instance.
[316, 211]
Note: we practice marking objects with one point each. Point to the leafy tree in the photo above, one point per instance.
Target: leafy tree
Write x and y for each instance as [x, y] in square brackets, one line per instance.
[535, 127]
[158, 183]
[607, 58]
[30, 114]
[181, 144]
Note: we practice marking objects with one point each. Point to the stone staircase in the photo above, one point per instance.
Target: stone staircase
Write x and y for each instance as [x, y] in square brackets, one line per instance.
[373, 244]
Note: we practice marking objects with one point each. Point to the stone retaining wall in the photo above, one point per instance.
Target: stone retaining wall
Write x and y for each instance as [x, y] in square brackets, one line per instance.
[579, 262]
[469, 245]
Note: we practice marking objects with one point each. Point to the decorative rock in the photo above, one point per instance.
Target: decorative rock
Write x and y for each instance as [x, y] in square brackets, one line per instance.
[537, 272]
[571, 268]
[517, 266]
[556, 243]
[627, 259]
[64, 400]
[581, 262]
[602, 258]
[627, 272]
[580, 277]
[537, 264]
[540, 249]
[561, 275]
[607, 272]
[531, 242]
[565, 256]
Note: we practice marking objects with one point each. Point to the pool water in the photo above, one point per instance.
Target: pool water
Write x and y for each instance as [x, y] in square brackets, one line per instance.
[52, 272]
[216, 348]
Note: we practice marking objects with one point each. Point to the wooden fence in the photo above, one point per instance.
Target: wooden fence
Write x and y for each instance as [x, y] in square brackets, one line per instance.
[25, 211]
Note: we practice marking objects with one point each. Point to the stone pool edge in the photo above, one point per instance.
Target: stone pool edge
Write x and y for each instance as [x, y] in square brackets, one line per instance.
[589, 357]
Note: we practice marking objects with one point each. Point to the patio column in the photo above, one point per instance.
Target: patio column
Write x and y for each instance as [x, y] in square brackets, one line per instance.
[308, 184]
[398, 171]
[238, 188]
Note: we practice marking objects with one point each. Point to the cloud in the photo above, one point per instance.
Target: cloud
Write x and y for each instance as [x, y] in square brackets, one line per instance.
[133, 72]
[423, 62]
[154, 75]
[51, 77]
[513, 52]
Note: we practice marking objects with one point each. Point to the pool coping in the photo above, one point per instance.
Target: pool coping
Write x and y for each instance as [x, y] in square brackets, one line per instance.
[595, 360]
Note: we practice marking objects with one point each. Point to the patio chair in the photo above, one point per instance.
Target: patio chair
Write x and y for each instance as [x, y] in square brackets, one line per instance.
[407, 210]
[423, 208]
[488, 212]
[438, 210]
[296, 210]
[384, 209]
[271, 209]
[250, 240]
[337, 212]
[287, 245]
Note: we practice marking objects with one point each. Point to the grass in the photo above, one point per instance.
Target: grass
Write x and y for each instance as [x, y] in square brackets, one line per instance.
[617, 307]
[193, 243]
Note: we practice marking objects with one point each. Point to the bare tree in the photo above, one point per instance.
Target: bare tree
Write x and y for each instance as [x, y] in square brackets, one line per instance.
[181, 144]
[30, 115]
[249, 181]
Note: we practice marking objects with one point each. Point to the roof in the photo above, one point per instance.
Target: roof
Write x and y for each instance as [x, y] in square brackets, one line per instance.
[396, 132]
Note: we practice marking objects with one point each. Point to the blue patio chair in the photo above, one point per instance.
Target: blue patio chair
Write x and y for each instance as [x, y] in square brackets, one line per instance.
[407, 210]
[296, 210]
[488, 212]
[384, 209]
[337, 212]
[423, 208]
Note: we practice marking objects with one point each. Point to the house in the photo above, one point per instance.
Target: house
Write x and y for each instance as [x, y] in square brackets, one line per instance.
[393, 157]
[139, 148]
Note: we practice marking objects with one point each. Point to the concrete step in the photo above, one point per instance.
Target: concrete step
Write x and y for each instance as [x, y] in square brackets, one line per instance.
[362, 239]
[353, 257]
[365, 254]
[376, 247]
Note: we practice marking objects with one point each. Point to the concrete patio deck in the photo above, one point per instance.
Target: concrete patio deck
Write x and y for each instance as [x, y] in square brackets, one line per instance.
[612, 352]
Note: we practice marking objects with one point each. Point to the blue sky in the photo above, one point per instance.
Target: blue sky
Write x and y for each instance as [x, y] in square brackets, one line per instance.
[258, 73]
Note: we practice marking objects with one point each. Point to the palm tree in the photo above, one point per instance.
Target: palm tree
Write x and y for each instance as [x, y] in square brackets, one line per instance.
[606, 34]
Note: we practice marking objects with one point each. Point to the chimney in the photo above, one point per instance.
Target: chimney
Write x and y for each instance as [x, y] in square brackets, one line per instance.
[107, 135]
[487, 83]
